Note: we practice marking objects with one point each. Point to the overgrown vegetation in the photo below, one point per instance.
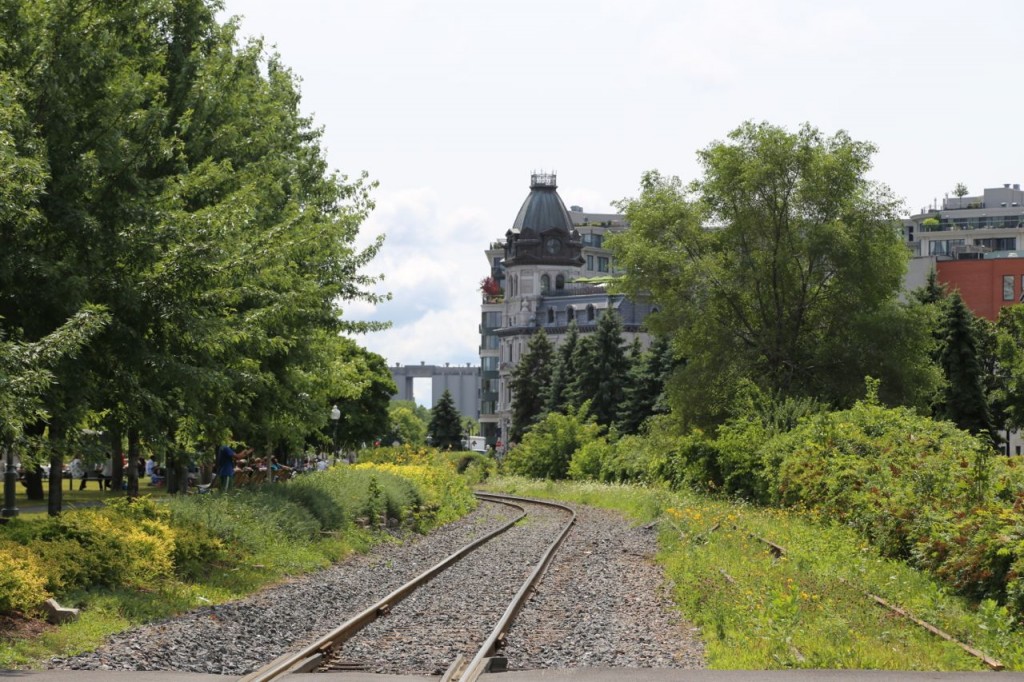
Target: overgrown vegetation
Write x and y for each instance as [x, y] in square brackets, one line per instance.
[134, 560]
[806, 609]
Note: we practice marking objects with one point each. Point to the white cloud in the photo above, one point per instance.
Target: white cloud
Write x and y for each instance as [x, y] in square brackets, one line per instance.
[433, 263]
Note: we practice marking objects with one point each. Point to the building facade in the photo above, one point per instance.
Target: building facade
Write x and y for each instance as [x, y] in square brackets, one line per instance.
[537, 269]
[974, 244]
[462, 382]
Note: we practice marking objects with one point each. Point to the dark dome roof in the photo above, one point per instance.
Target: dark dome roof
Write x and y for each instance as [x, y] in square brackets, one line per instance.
[543, 208]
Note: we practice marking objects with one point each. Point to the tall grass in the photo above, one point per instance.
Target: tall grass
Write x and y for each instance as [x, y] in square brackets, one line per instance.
[806, 609]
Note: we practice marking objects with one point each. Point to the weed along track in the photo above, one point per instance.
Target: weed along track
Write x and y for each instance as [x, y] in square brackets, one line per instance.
[452, 619]
[602, 602]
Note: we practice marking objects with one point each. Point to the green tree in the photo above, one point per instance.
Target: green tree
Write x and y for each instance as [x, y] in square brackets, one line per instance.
[645, 388]
[26, 375]
[781, 264]
[445, 428]
[185, 192]
[933, 291]
[962, 399]
[547, 449]
[530, 381]
[602, 370]
[366, 388]
[406, 424]
[563, 371]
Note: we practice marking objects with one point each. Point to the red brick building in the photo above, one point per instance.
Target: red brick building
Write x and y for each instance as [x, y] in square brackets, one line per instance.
[986, 285]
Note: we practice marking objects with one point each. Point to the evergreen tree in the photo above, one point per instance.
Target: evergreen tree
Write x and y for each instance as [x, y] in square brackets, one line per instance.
[602, 370]
[563, 371]
[445, 429]
[530, 383]
[962, 399]
[932, 291]
[645, 389]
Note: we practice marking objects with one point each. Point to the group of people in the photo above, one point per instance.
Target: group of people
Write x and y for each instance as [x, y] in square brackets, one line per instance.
[101, 473]
[227, 464]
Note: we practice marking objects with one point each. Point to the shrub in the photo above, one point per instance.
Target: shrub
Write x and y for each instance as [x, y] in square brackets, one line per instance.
[692, 462]
[548, 446]
[589, 461]
[196, 551]
[22, 580]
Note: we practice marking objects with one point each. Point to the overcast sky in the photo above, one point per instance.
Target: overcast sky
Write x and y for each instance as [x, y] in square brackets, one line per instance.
[451, 105]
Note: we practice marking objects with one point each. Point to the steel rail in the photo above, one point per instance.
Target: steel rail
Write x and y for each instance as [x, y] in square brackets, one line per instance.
[481, 663]
[310, 657]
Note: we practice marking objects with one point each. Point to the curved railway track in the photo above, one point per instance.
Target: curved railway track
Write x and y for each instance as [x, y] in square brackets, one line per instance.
[418, 638]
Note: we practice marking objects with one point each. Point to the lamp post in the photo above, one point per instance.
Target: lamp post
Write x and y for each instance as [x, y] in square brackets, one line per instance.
[335, 418]
[10, 509]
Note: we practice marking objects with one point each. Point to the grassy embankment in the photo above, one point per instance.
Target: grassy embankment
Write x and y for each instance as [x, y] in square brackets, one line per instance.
[125, 564]
[806, 609]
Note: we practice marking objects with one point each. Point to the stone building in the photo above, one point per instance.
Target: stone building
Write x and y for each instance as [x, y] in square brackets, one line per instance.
[538, 267]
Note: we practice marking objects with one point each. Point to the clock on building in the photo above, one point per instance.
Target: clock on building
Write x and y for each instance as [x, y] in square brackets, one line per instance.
[552, 245]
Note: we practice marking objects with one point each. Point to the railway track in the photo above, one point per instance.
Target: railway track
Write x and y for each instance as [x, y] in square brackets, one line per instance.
[418, 629]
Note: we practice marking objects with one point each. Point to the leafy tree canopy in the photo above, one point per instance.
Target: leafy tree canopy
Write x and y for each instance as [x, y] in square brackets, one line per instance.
[781, 265]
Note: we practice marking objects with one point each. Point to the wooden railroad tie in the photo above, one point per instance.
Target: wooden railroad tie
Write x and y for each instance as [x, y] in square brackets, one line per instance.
[988, 660]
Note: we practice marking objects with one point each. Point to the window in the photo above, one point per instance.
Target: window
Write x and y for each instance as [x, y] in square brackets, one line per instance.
[489, 364]
[590, 313]
[491, 342]
[1008, 288]
[559, 282]
[590, 262]
[570, 314]
[602, 264]
[551, 315]
[998, 244]
[943, 247]
[545, 282]
[491, 320]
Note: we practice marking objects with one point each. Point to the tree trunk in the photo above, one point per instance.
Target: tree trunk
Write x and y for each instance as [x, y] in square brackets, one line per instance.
[177, 473]
[133, 463]
[57, 442]
[34, 483]
[117, 459]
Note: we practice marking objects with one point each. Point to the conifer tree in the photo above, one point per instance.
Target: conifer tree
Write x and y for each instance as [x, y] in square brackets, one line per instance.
[962, 399]
[530, 383]
[445, 429]
[602, 370]
[563, 371]
[644, 394]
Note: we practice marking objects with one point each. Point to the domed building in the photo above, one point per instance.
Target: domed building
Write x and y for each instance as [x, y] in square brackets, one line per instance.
[535, 277]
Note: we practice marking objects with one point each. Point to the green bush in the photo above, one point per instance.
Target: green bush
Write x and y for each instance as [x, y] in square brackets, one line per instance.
[588, 462]
[548, 446]
[22, 579]
[916, 488]
[692, 462]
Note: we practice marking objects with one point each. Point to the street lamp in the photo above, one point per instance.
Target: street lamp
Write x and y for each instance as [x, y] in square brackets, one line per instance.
[10, 486]
[335, 417]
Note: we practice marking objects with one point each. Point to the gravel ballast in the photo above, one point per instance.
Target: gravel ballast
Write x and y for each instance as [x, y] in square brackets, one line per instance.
[602, 602]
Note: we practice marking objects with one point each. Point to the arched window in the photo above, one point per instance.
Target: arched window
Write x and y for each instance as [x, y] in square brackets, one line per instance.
[570, 314]
[559, 282]
[590, 313]
[545, 282]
